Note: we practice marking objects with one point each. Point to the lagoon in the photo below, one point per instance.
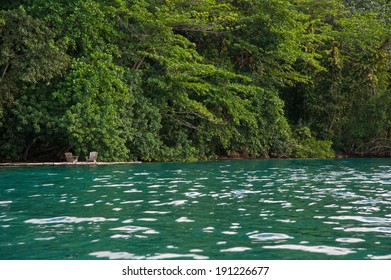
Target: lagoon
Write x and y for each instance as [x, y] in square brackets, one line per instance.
[255, 209]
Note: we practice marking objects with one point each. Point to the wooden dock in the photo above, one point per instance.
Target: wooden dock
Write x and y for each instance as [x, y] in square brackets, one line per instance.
[66, 163]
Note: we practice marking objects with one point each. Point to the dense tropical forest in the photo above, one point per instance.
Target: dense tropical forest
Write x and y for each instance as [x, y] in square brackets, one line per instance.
[163, 80]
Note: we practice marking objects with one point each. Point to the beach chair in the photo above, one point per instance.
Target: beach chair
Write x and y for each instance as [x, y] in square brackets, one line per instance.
[92, 157]
[71, 158]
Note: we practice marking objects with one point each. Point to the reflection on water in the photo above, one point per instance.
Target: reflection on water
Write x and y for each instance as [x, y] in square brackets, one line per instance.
[290, 209]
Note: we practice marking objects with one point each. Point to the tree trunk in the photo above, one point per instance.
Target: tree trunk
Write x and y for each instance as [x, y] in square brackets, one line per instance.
[26, 151]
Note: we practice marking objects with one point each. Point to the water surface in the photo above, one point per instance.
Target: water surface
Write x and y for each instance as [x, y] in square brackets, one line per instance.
[273, 209]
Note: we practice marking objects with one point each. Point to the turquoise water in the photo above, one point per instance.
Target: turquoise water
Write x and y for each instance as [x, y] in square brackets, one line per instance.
[273, 209]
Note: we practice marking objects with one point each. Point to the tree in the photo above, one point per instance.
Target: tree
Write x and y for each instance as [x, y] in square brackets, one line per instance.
[98, 107]
[205, 109]
[185, 80]
[28, 55]
[356, 56]
[29, 58]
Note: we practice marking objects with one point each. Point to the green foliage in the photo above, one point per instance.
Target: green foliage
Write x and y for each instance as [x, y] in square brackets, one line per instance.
[306, 146]
[356, 55]
[82, 27]
[313, 148]
[145, 143]
[98, 103]
[187, 80]
[205, 110]
[28, 56]
[31, 128]
[9, 5]
[368, 130]
[205, 16]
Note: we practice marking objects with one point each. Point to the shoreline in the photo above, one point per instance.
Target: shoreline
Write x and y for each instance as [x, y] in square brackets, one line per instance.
[81, 163]
[66, 163]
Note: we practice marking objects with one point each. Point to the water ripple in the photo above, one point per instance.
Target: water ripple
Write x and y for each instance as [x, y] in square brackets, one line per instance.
[116, 255]
[236, 249]
[363, 219]
[126, 256]
[349, 240]
[284, 209]
[366, 229]
[184, 220]
[66, 219]
[131, 229]
[177, 256]
[5, 203]
[269, 236]
[385, 257]
[328, 250]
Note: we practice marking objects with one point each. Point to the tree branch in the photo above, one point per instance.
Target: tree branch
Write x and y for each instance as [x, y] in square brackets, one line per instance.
[5, 70]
